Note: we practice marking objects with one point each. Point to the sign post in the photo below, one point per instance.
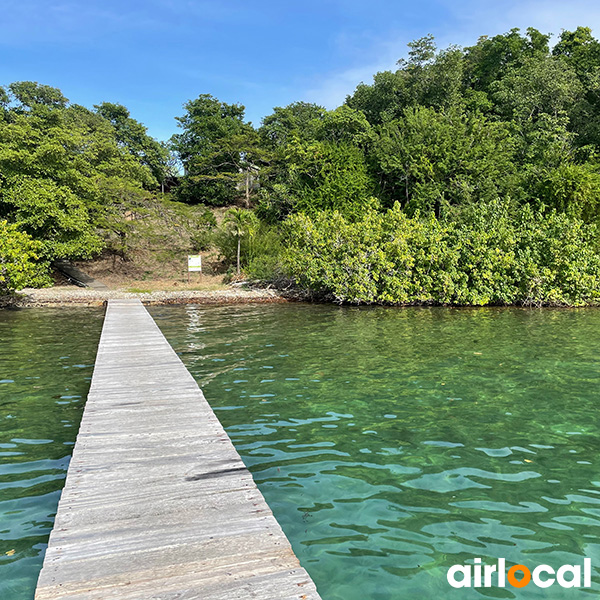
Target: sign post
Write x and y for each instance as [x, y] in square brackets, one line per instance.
[194, 264]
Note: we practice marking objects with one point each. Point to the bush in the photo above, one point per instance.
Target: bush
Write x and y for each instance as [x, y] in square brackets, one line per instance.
[264, 251]
[19, 266]
[486, 256]
[202, 236]
[264, 268]
[52, 214]
[315, 176]
[260, 248]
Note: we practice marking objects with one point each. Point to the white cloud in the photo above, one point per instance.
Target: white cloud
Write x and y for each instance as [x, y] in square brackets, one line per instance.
[331, 91]
[468, 21]
[549, 16]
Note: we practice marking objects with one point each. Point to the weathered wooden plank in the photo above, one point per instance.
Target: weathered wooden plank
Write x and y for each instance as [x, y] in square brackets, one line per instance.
[158, 503]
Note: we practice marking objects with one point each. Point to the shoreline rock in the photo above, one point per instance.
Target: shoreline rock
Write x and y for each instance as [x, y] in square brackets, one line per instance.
[66, 296]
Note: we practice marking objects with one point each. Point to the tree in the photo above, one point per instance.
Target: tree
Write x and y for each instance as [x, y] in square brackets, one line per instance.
[64, 174]
[29, 94]
[422, 52]
[428, 78]
[134, 137]
[19, 265]
[430, 160]
[538, 86]
[52, 214]
[217, 149]
[297, 120]
[491, 58]
[580, 50]
[328, 176]
[382, 101]
[344, 124]
[570, 188]
[240, 223]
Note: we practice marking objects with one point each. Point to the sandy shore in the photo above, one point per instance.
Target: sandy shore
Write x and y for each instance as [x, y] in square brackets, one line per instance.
[76, 296]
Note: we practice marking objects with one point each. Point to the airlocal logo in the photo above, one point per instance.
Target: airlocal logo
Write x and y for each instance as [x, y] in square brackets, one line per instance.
[543, 576]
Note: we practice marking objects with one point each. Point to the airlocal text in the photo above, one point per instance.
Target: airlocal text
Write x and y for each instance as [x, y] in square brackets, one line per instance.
[543, 576]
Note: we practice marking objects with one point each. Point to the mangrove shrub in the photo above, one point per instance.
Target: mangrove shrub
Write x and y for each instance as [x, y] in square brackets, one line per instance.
[487, 256]
[19, 266]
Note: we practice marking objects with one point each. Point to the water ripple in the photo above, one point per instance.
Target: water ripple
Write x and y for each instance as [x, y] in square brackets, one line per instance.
[392, 444]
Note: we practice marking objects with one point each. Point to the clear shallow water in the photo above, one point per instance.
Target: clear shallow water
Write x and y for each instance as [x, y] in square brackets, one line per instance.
[46, 358]
[394, 443]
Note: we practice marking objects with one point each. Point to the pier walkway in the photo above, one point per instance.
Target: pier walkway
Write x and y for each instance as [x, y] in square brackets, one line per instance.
[158, 504]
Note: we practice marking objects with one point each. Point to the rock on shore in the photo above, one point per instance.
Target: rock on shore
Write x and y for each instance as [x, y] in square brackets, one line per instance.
[75, 296]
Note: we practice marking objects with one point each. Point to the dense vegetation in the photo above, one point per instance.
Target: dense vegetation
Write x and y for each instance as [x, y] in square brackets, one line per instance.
[66, 175]
[466, 176]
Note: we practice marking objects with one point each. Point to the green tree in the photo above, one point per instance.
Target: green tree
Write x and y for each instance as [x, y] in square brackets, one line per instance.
[52, 214]
[432, 160]
[240, 223]
[19, 260]
[30, 94]
[297, 120]
[580, 50]
[538, 86]
[326, 176]
[570, 188]
[134, 136]
[343, 125]
[382, 101]
[218, 150]
[427, 78]
[490, 59]
[63, 172]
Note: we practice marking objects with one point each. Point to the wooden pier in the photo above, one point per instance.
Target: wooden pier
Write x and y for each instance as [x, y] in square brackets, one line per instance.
[157, 503]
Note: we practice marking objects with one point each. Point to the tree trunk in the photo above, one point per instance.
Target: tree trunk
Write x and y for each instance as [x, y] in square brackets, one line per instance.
[247, 188]
[238, 254]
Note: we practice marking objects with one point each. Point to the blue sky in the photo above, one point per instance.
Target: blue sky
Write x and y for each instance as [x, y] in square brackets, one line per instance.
[153, 55]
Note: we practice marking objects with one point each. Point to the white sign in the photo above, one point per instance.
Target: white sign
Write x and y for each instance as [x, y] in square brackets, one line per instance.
[194, 262]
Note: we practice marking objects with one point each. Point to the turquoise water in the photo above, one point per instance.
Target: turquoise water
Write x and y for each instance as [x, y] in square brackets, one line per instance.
[46, 358]
[394, 443]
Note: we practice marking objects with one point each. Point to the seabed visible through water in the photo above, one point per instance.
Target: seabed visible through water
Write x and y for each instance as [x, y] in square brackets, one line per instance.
[389, 443]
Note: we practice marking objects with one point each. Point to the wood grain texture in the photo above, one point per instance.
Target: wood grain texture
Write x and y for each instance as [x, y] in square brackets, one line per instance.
[158, 504]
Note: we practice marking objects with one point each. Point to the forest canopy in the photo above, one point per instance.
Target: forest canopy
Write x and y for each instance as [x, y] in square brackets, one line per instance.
[463, 176]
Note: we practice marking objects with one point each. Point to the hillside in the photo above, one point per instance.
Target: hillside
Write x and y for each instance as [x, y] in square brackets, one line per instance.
[151, 252]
